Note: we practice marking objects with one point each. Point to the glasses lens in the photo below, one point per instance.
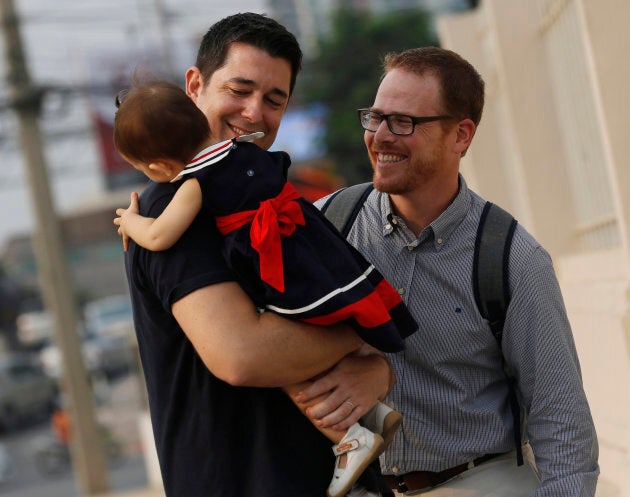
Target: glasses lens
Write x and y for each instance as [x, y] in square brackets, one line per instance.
[400, 125]
[370, 120]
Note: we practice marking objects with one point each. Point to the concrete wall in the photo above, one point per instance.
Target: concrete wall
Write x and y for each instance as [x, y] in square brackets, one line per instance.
[595, 288]
[556, 73]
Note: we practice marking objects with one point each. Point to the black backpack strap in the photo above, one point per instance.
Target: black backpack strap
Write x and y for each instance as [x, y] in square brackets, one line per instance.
[491, 260]
[343, 206]
[492, 290]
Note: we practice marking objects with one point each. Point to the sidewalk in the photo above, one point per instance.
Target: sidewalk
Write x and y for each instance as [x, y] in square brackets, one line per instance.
[128, 419]
[139, 492]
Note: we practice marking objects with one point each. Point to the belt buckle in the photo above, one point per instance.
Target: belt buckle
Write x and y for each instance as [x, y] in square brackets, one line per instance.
[401, 486]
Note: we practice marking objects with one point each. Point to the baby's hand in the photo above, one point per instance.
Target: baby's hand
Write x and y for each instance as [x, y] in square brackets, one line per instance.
[122, 214]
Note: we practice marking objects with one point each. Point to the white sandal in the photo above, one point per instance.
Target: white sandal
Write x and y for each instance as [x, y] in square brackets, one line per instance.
[383, 420]
[361, 447]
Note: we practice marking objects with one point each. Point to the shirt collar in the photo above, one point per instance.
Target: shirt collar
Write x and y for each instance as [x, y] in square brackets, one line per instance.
[442, 227]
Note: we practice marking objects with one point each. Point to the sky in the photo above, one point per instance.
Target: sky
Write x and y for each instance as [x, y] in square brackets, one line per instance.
[63, 42]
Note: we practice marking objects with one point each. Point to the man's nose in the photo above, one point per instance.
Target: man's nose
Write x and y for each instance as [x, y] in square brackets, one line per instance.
[252, 110]
[383, 132]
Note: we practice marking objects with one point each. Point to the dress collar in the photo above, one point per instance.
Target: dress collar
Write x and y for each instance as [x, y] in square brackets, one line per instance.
[209, 155]
[214, 153]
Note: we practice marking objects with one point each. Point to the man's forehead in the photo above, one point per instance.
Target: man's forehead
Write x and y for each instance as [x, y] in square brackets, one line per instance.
[407, 89]
[251, 66]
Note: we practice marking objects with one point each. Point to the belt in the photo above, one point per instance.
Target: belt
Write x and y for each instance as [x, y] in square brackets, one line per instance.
[420, 480]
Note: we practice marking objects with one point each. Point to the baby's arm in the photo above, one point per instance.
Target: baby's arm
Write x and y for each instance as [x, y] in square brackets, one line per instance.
[162, 232]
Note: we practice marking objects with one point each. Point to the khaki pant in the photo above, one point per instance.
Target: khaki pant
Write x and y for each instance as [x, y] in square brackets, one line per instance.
[499, 477]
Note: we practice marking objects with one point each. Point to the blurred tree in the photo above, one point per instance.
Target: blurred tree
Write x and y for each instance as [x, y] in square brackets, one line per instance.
[345, 74]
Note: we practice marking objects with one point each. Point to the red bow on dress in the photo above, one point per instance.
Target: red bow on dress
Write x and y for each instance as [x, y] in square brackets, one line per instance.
[274, 218]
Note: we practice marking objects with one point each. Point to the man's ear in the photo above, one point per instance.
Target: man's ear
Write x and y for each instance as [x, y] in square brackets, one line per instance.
[465, 132]
[194, 83]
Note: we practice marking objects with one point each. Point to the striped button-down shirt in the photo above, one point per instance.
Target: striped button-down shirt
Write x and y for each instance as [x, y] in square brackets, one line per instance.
[451, 386]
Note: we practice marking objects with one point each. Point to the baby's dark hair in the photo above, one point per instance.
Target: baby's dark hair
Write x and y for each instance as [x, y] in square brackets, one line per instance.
[157, 120]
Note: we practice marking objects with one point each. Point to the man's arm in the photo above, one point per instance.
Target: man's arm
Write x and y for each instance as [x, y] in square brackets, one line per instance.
[246, 348]
[559, 423]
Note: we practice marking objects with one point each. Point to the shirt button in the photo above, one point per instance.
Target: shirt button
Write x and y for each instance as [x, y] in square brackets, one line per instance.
[401, 291]
[439, 240]
[395, 469]
[409, 248]
[388, 227]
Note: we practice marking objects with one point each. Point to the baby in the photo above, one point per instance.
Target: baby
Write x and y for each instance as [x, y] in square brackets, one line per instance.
[286, 255]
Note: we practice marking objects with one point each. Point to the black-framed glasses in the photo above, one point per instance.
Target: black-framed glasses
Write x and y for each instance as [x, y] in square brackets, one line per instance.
[399, 124]
[120, 96]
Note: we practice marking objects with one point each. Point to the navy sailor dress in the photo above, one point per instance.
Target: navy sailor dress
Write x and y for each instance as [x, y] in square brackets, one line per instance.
[287, 256]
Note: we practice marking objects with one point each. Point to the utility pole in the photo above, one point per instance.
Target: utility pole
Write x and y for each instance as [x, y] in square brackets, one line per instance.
[86, 447]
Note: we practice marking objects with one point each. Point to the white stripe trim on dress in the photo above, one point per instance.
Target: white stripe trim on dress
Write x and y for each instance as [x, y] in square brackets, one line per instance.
[209, 155]
[214, 153]
[329, 296]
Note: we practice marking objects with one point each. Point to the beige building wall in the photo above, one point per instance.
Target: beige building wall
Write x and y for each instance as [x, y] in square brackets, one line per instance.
[551, 149]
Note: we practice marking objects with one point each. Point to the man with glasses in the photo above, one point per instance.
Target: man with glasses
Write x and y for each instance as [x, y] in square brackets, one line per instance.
[418, 227]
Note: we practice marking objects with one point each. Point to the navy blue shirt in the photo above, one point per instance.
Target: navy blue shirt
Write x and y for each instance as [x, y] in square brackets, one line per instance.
[212, 439]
